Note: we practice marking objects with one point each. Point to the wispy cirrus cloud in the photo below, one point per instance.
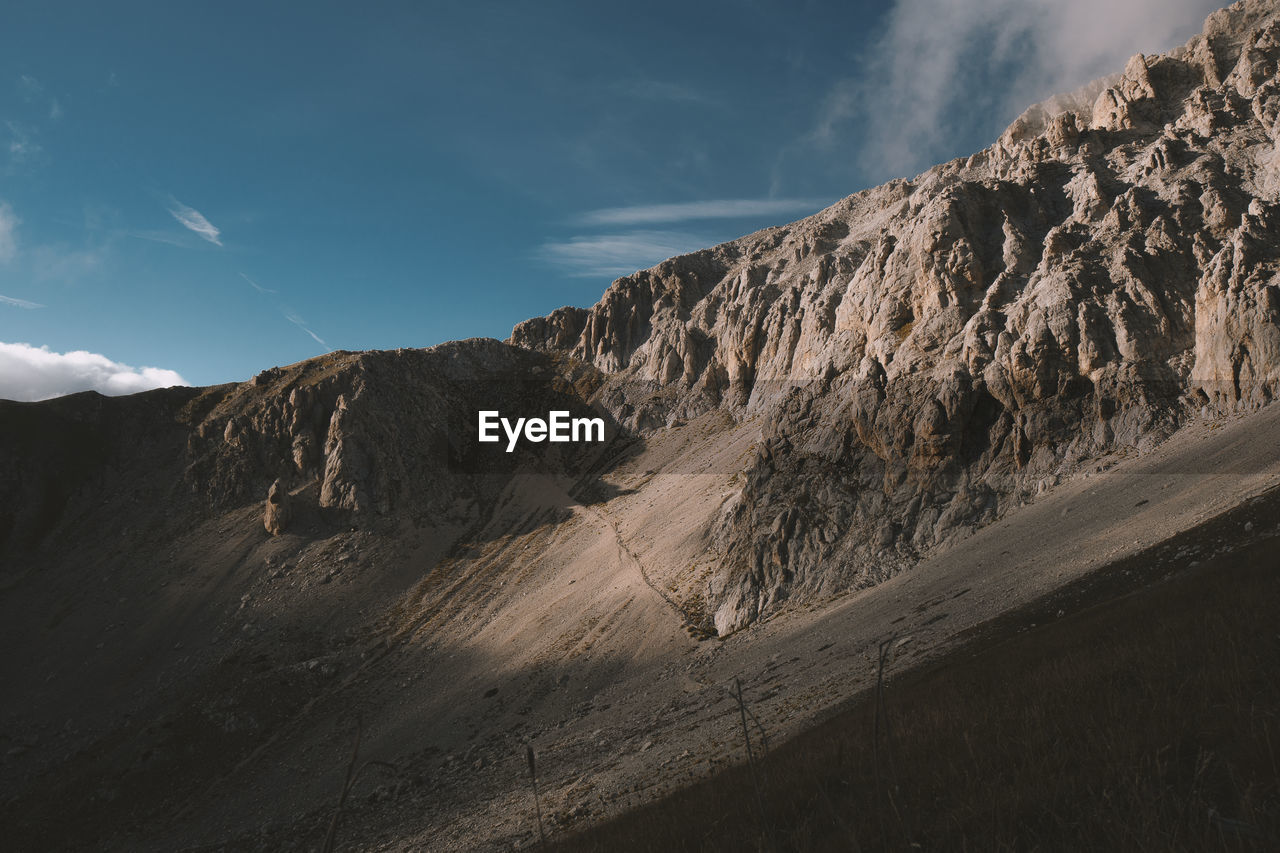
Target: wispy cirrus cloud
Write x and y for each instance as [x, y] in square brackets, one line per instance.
[195, 222]
[37, 373]
[21, 144]
[944, 70]
[9, 222]
[59, 262]
[287, 312]
[181, 240]
[42, 262]
[728, 208]
[255, 285]
[29, 87]
[632, 248]
[19, 303]
[302, 324]
[617, 254]
[31, 90]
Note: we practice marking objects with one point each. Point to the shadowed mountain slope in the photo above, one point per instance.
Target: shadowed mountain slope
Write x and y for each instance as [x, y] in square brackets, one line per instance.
[1004, 375]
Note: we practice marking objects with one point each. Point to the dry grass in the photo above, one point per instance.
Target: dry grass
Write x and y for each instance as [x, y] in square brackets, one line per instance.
[1151, 722]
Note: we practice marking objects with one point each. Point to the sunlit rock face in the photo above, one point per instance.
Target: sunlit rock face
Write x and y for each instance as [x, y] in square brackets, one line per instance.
[914, 362]
[927, 355]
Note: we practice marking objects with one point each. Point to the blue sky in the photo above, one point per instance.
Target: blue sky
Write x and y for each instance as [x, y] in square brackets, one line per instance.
[212, 189]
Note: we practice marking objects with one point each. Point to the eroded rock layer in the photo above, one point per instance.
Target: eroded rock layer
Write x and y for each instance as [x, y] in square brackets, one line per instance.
[930, 353]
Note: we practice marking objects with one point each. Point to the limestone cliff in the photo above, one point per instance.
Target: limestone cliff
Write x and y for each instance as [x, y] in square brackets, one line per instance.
[917, 360]
[930, 353]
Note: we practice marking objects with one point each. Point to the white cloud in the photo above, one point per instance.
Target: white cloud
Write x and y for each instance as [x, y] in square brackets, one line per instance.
[288, 313]
[57, 262]
[29, 87]
[36, 373]
[22, 145]
[625, 252]
[618, 254]
[183, 241]
[63, 263]
[31, 90]
[302, 324]
[729, 208]
[18, 303]
[255, 285]
[944, 68]
[194, 221]
[8, 233]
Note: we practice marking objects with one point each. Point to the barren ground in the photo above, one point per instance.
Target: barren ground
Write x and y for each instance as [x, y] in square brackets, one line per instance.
[570, 636]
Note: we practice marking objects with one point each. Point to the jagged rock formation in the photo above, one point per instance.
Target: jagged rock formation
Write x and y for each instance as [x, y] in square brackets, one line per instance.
[381, 434]
[930, 353]
[799, 412]
[918, 359]
[145, 587]
[277, 512]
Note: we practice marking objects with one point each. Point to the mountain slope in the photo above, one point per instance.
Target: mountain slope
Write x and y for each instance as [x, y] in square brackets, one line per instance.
[931, 353]
[1004, 374]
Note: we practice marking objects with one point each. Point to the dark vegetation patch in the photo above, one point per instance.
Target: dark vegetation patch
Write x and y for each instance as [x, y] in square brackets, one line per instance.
[1148, 721]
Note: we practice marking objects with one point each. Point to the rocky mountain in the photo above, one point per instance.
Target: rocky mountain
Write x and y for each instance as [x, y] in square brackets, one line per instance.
[371, 435]
[236, 573]
[204, 562]
[929, 354]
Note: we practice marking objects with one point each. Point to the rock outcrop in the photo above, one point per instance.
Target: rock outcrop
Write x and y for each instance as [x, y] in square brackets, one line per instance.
[795, 414]
[277, 512]
[928, 354]
[917, 360]
[383, 435]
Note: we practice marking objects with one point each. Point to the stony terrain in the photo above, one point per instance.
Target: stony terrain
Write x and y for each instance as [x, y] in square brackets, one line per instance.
[1001, 375]
[931, 353]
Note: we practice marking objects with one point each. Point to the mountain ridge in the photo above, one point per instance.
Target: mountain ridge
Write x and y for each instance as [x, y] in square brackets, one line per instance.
[1068, 339]
[1084, 285]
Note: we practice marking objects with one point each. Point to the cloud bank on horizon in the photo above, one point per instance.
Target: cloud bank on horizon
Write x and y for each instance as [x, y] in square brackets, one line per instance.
[940, 67]
[30, 373]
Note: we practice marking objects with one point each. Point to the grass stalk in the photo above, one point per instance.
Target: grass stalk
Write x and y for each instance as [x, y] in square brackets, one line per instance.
[751, 760]
[537, 804]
